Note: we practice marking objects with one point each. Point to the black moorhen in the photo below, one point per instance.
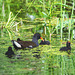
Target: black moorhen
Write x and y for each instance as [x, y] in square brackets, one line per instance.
[44, 43]
[9, 53]
[27, 44]
[67, 48]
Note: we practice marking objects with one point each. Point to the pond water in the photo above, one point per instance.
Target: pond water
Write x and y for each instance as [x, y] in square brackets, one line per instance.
[50, 61]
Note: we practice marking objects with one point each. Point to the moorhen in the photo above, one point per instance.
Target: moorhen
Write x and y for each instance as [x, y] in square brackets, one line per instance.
[27, 44]
[67, 48]
[10, 52]
[44, 43]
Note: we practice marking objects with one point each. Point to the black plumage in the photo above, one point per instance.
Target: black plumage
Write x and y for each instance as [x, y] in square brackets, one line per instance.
[18, 39]
[67, 48]
[44, 42]
[10, 52]
[27, 44]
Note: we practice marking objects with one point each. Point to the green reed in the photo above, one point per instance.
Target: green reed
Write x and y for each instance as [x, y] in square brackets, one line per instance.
[45, 10]
[52, 62]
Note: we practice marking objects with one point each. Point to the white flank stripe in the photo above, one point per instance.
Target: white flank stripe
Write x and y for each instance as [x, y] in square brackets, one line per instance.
[17, 44]
[31, 46]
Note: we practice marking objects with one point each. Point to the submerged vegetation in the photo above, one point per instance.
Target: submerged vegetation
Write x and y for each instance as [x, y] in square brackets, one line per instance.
[54, 20]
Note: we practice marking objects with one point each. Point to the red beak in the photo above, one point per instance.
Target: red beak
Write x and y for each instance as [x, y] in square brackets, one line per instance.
[41, 38]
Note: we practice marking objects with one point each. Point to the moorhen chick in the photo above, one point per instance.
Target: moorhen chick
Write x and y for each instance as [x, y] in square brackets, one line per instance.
[67, 48]
[44, 43]
[10, 52]
[27, 44]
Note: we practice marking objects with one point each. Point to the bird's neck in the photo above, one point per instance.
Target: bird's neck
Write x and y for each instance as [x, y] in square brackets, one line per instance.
[69, 46]
[35, 41]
